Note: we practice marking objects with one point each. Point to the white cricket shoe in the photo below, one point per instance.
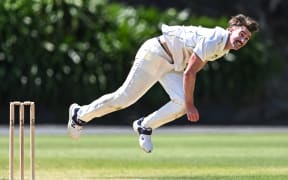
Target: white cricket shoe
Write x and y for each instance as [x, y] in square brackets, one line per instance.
[73, 127]
[144, 136]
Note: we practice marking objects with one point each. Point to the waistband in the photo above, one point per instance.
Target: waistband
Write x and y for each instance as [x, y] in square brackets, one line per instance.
[165, 48]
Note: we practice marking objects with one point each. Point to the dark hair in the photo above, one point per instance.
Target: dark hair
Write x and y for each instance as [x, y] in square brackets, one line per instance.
[242, 20]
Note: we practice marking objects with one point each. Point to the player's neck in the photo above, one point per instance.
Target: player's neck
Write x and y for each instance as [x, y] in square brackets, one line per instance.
[228, 45]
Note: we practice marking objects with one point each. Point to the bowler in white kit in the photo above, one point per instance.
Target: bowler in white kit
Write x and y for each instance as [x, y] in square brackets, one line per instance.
[173, 59]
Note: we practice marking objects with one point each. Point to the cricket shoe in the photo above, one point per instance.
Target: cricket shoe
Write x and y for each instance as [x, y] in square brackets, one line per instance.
[144, 135]
[74, 124]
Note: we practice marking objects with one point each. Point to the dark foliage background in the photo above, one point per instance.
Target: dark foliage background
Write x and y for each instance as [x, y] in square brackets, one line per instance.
[55, 52]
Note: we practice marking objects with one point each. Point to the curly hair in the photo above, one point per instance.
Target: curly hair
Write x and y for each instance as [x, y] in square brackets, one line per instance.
[242, 20]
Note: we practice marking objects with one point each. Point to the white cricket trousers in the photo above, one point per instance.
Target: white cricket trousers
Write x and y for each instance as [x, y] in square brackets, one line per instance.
[151, 65]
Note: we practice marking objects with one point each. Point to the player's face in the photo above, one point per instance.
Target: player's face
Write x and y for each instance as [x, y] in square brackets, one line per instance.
[239, 36]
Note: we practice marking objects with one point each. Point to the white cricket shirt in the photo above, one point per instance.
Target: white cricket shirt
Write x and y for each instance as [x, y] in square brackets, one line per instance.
[207, 43]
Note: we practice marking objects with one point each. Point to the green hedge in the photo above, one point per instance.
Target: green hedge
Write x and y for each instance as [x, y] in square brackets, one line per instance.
[59, 51]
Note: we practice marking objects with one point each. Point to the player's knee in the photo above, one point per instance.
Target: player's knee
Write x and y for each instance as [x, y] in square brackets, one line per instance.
[180, 108]
[122, 100]
[180, 102]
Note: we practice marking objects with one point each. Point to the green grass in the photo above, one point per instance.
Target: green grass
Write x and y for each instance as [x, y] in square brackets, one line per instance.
[187, 156]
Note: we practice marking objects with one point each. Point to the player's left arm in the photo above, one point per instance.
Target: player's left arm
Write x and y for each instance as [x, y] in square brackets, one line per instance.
[195, 64]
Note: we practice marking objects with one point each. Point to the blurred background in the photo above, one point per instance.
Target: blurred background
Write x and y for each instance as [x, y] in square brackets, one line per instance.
[56, 52]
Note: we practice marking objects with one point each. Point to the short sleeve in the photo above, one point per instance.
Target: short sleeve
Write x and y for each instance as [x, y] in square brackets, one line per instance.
[205, 49]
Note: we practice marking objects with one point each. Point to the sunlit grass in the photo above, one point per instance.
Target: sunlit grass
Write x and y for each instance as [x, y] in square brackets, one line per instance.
[187, 156]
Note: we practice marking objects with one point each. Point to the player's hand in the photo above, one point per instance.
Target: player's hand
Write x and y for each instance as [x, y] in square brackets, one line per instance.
[192, 114]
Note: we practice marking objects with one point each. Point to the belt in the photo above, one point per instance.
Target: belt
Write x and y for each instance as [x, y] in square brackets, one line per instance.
[165, 47]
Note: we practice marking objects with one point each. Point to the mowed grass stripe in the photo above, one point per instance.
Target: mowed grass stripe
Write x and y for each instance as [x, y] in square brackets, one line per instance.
[187, 156]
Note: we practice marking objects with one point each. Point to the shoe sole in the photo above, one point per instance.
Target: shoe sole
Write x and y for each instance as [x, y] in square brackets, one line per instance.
[135, 127]
[70, 114]
[69, 121]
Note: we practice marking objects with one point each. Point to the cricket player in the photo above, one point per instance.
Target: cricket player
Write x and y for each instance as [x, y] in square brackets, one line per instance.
[173, 59]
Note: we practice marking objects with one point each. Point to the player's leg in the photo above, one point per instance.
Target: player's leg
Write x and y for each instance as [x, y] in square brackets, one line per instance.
[147, 69]
[173, 84]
